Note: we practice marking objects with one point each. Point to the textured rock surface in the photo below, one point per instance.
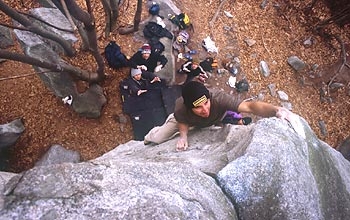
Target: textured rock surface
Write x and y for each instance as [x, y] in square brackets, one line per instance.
[235, 172]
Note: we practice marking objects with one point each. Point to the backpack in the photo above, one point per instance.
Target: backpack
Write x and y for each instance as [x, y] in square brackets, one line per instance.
[154, 30]
[207, 64]
[181, 20]
[242, 86]
[156, 46]
[115, 58]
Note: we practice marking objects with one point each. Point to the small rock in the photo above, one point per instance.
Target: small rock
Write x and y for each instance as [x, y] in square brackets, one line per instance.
[261, 96]
[228, 14]
[287, 105]
[264, 68]
[314, 67]
[263, 4]
[122, 119]
[296, 63]
[323, 128]
[308, 42]
[282, 95]
[250, 42]
[272, 89]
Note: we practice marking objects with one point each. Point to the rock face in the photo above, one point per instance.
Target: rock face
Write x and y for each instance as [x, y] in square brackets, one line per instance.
[10, 132]
[261, 171]
[57, 155]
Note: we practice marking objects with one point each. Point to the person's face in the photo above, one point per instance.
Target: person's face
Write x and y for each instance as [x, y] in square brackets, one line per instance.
[146, 55]
[137, 77]
[194, 65]
[203, 110]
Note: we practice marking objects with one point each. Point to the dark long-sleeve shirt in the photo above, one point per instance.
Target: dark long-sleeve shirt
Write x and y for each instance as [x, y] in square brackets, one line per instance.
[142, 84]
[191, 73]
[154, 60]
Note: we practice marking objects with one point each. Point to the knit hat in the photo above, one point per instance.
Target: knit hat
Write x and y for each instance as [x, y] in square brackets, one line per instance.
[135, 72]
[194, 94]
[195, 61]
[146, 48]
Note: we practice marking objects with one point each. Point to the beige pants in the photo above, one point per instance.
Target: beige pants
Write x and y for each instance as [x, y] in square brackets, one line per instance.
[164, 132]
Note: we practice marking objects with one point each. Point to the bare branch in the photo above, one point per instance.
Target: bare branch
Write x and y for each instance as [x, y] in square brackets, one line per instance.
[69, 17]
[36, 29]
[343, 63]
[212, 21]
[108, 12]
[14, 27]
[16, 77]
[137, 20]
[54, 67]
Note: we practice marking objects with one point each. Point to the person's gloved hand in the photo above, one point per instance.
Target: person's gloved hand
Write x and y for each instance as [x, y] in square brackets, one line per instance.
[142, 67]
[158, 68]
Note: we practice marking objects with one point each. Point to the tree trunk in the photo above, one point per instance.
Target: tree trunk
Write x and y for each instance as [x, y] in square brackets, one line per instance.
[115, 13]
[108, 15]
[89, 24]
[78, 24]
[137, 20]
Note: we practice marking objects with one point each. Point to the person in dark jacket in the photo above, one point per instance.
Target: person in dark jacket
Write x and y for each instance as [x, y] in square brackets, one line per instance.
[193, 71]
[145, 60]
[140, 81]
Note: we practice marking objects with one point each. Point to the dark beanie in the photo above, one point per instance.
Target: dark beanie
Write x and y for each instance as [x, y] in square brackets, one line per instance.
[194, 93]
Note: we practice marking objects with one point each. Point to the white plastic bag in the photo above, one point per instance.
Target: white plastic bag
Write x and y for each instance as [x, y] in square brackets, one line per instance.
[209, 45]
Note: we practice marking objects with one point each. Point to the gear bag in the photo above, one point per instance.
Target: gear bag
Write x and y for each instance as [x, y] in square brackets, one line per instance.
[115, 58]
[207, 64]
[154, 30]
[242, 85]
[156, 46]
[181, 20]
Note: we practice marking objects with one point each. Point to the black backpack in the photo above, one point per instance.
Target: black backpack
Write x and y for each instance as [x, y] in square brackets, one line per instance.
[115, 58]
[156, 45]
[207, 64]
[154, 30]
[242, 85]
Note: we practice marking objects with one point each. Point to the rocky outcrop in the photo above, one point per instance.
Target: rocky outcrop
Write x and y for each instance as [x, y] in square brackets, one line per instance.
[88, 104]
[57, 154]
[10, 132]
[5, 37]
[261, 171]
